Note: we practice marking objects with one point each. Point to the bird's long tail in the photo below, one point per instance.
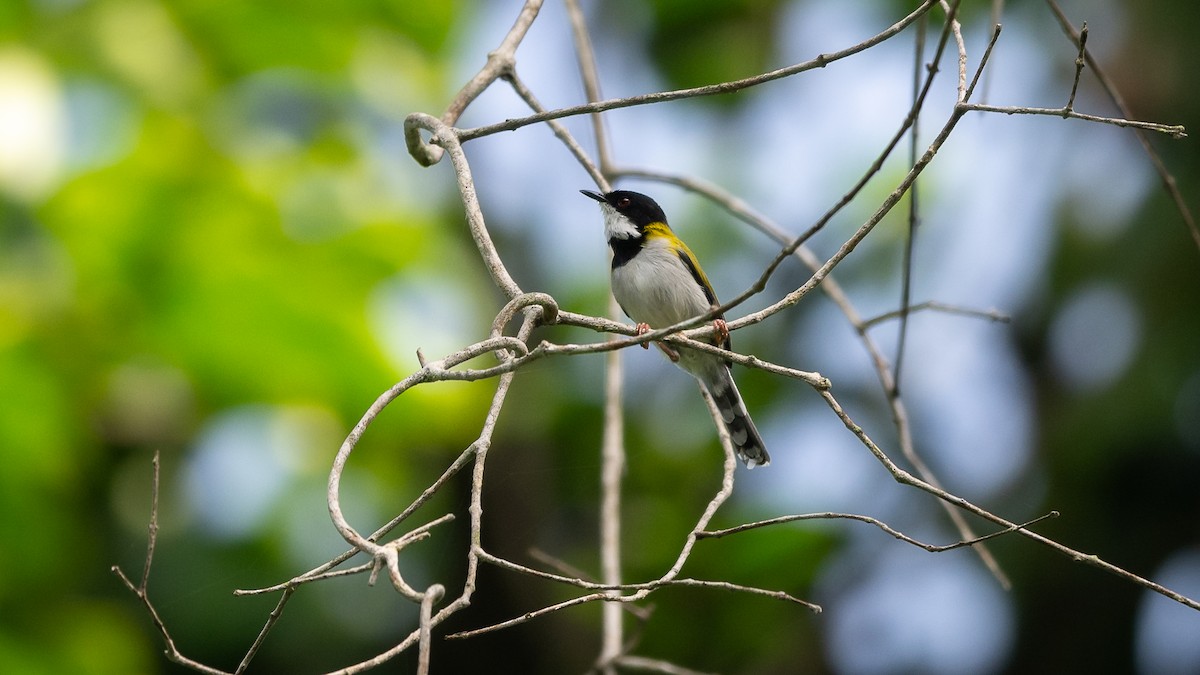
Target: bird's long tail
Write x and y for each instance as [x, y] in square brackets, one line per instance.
[746, 441]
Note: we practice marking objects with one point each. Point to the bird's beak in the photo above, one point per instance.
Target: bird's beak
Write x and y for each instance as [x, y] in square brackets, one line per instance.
[595, 195]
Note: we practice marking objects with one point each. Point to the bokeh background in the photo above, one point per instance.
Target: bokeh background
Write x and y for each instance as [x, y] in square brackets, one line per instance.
[213, 244]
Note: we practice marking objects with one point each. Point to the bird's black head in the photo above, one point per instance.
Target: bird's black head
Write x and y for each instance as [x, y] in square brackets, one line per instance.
[637, 207]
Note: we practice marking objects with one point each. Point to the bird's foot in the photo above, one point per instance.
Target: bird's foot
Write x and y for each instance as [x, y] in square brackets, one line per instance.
[642, 329]
[720, 331]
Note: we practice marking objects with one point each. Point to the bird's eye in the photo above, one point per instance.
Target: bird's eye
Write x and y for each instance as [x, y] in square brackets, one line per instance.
[623, 202]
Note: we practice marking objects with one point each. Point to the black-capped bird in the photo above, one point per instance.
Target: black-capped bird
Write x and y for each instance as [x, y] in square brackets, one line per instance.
[658, 283]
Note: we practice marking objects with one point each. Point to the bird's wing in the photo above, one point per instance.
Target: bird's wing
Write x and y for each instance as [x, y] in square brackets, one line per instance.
[689, 261]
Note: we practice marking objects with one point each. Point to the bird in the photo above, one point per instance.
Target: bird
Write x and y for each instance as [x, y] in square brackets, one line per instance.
[658, 282]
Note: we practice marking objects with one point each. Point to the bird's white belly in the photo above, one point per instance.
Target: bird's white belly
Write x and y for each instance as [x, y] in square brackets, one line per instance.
[655, 288]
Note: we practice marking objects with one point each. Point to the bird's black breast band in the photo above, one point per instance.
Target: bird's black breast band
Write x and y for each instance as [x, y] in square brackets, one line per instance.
[624, 250]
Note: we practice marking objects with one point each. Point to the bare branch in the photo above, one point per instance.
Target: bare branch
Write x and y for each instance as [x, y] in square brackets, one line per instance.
[612, 469]
[820, 61]
[1172, 130]
[500, 62]
[829, 515]
[445, 137]
[529, 616]
[727, 586]
[933, 305]
[571, 572]
[643, 664]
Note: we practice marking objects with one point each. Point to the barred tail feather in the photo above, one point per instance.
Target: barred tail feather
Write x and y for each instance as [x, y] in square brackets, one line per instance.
[746, 441]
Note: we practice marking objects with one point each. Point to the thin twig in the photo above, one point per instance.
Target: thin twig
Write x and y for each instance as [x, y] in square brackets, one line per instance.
[559, 130]
[997, 11]
[143, 596]
[830, 515]
[1080, 61]
[914, 208]
[569, 571]
[272, 618]
[152, 528]
[1167, 178]
[590, 76]
[646, 665]
[1172, 130]
[945, 308]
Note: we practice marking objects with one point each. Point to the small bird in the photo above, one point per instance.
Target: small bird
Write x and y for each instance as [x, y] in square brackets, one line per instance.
[658, 283]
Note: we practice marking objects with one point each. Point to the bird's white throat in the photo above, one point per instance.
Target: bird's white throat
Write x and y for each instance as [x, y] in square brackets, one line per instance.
[617, 225]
